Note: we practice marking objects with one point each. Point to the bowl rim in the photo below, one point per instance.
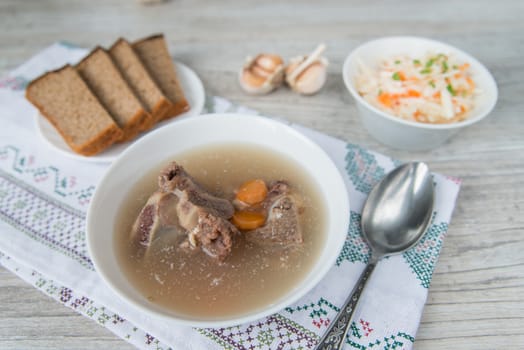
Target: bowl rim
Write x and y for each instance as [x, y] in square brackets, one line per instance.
[307, 284]
[472, 60]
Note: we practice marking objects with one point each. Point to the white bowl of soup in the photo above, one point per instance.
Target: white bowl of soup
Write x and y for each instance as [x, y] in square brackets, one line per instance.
[172, 266]
[415, 93]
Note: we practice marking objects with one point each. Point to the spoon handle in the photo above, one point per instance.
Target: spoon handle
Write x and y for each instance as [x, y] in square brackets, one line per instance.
[336, 334]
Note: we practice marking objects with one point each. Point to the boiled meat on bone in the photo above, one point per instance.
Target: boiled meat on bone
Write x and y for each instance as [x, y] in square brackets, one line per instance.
[181, 203]
[282, 226]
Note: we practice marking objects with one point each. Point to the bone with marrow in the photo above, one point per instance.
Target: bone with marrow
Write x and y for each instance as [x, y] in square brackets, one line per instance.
[181, 203]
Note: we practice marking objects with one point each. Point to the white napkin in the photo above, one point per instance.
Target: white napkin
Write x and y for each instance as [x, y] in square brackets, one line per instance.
[44, 197]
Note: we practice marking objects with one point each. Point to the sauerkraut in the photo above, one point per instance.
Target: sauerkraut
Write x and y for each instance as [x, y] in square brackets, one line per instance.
[435, 88]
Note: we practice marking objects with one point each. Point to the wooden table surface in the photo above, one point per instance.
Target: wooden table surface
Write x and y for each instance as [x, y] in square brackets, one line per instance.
[476, 299]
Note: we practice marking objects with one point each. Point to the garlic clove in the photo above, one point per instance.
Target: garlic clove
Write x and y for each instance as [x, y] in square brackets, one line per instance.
[269, 62]
[252, 79]
[307, 74]
[311, 80]
[262, 74]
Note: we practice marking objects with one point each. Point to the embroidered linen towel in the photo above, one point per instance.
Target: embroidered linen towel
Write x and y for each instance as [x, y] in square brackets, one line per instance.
[43, 201]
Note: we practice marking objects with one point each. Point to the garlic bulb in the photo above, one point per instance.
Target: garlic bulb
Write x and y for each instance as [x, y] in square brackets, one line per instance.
[262, 74]
[307, 74]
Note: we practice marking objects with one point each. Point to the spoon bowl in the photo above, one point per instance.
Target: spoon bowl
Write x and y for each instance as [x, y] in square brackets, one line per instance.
[395, 217]
[398, 210]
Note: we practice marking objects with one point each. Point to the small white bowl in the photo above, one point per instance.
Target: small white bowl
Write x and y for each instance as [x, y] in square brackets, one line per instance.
[394, 131]
[166, 143]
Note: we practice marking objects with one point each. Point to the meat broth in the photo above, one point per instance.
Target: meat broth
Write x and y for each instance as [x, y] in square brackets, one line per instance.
[252, 276]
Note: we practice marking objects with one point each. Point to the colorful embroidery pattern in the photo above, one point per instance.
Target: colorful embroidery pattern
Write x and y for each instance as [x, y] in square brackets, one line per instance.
[14, 83]
[317, 312]
[360, 332]
[63, 186]
[355, 248]
[423, 257]
[86, 307]
[399, 341]
[359, 337]
[44, 219]
[274, 332]
[362, 168]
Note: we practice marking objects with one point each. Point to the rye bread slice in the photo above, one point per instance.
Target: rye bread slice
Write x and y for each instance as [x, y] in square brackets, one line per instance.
[106, 82]
[65, 100]
[154, 55]
[140, 82]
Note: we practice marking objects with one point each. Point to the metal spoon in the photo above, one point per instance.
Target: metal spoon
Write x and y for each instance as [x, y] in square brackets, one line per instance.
[395, 217]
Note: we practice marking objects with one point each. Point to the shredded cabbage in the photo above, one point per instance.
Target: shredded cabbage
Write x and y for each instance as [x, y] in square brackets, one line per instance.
[435, 88]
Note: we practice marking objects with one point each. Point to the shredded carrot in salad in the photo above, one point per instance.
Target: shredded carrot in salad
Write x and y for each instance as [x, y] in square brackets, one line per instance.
[434, 89]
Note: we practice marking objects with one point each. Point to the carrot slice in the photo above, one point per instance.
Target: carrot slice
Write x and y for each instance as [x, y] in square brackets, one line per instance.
[252, 192]
[248, 220]
[413, 93]
[470, 82]
[464, 66]
[386, 99]
[419, 116]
